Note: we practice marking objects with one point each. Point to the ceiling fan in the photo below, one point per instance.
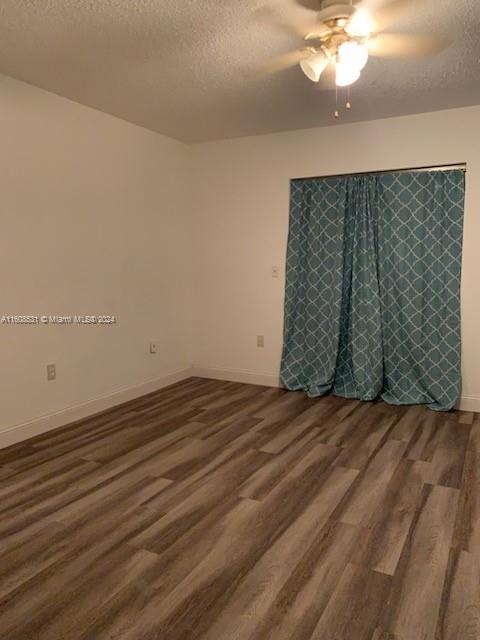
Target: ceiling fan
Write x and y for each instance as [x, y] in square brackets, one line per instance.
[340, 38]
[346, 33]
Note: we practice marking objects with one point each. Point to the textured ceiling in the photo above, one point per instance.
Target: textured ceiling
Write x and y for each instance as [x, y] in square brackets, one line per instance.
[198, 69]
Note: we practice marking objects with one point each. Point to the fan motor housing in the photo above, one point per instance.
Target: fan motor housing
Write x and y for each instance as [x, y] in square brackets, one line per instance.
[333, 10]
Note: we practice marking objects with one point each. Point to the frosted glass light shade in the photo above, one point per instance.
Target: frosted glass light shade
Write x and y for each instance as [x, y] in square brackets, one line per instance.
[314, 66]
[353, 54]
[346, 74]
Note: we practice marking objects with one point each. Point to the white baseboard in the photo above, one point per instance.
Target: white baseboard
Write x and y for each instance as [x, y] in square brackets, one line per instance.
[466, 403]
[238, 375]
[16, 433]
[469, 403]
[19, 432]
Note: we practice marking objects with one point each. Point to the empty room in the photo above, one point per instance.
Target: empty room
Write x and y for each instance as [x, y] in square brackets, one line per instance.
[239, 316]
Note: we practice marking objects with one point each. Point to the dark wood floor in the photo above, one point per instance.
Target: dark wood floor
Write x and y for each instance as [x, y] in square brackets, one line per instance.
[223, 511]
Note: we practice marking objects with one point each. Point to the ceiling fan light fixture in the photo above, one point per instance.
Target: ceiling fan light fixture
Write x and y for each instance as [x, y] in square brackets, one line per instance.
[360, 25]
[315, 65]
[346, 74]
[353, 54]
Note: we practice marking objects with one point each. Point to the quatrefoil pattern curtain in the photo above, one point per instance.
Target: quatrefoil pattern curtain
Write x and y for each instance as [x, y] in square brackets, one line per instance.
[372, 301]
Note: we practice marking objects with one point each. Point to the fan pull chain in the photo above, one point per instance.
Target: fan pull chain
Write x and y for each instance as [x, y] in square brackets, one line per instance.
[348, 104]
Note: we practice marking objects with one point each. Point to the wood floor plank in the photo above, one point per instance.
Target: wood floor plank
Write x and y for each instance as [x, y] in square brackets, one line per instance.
[95, 552]
[467, 529]
[43, 476]
[231, 430]
[426, 438]
[465, 417]
[303, 598]
[413, 608]
[73, 607]
[355, 605]
[279, 415]
[222, 465]
[287, 436]
[256, 593]
[460, 612]
[180, 459]
[280, 524]
[339, 427]
[212, 510]
[312, 418]
[410, 420]
[448, 459]
[364, 441]
[30, 556]
[372, 486]
[197, 504]
[144, 456]
[383, 635]
[381, 542]
[107, 451]
[124, 490]
[259, 485]
[228, 405]
[210, 554]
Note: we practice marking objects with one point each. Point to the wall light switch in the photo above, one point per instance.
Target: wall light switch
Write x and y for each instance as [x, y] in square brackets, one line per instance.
[260, 341]
[153, 347]
[275, 271]
[51, 372]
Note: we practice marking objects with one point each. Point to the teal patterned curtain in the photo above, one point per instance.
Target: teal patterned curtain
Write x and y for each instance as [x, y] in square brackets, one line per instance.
[372, 303]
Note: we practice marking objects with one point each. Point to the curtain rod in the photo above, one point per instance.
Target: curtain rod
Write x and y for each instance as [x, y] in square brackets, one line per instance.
[462, 166]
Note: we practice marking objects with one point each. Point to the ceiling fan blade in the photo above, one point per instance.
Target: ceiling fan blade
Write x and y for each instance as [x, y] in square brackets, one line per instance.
[313, 5]
[387, 13]
[282, 62]
[388, 45]
[291, 23]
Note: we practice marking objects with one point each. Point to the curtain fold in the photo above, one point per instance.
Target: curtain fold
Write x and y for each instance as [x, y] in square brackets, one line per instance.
[372, 305]
[359, 371]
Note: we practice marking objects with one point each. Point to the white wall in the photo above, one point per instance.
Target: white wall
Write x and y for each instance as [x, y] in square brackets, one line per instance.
[241, 225]
[94, 220]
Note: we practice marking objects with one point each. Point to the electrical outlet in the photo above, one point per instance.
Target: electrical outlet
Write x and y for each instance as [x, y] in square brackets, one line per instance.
[51, 372]
[153, 347]
[260, 341]
[275, 271]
